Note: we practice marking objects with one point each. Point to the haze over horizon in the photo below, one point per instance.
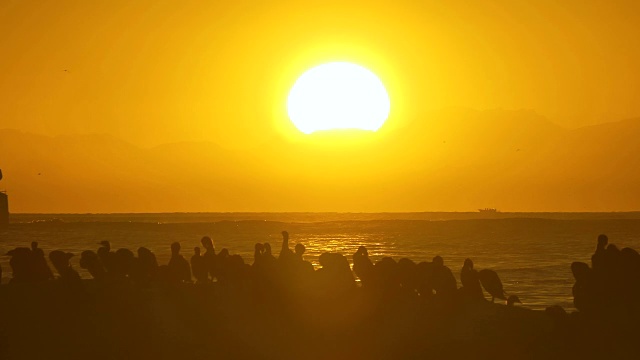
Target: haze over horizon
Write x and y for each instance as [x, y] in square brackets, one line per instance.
[514, 105]
[468, 160]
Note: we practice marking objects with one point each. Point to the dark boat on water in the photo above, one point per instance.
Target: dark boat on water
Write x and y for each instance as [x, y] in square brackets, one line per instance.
[488, 210]
[4, 206]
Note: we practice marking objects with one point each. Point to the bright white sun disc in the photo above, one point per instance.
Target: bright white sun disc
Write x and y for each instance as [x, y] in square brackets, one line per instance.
[338, 95]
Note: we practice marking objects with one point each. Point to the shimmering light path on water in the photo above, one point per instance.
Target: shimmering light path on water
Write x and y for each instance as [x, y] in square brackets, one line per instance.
[532, 256]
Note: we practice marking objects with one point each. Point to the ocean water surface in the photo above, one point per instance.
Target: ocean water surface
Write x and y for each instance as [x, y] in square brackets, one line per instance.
[532, 252]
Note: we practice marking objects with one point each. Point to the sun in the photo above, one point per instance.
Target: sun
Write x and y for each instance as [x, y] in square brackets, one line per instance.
[338, 96]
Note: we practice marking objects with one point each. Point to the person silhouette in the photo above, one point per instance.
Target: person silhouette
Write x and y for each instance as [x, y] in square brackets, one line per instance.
[209, 256]
[90, 261]
[303, 265]
[599, 258]
[107, 257]
[444, 283]
[584, 298]
[199, 267]
[41, 270]
[363, 266]
[407, 276]
[285, 253]
[268, 256]
[20, 263]
[424, 273]
[146, 266]
[258, 254]
[471, 288]
[178, 269]
[69, 278]
[123, 260]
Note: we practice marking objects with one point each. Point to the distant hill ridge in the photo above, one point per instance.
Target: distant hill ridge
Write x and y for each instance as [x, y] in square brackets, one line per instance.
[455, 160]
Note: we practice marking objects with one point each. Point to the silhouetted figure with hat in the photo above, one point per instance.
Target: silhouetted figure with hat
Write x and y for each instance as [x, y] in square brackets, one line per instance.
[178, 269]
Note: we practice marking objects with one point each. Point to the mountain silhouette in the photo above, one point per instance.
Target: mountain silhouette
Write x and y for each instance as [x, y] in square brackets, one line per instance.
[452, 160]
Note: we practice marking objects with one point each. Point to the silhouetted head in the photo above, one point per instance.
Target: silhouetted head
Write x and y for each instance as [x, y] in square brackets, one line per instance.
[285, 235]
[630, 259]
[207, 243]
[105, 244]
[613, 250]
[144, 252]
[512, 299]
[60, 259]
[603, 240]
[196, 251]
[300, 249]
[88, 255]
[386, 266]
[89, 260]
[468, 264]
[224, 253]
[267, 249]
[437, 261]
[175, 248]
[236, 261]
[259, 248]
[406, 262]
[19, 252]
[362, 250]
[125, 253]
[34, 245]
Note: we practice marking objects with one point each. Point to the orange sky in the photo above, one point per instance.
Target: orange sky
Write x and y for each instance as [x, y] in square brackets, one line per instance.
[159, 71]
[156, 72]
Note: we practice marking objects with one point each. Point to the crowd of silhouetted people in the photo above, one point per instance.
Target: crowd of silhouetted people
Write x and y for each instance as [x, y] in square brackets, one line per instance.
[268, 276]
[612, 280]
[392, 307]
[611, 283]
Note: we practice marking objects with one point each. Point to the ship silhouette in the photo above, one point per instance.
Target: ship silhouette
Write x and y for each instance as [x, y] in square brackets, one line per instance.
[488, 210]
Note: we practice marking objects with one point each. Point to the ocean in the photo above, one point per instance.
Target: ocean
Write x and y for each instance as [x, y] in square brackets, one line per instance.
[531, 252]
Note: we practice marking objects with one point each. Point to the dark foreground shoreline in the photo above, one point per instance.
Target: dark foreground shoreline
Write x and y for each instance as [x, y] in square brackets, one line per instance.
[186, 321]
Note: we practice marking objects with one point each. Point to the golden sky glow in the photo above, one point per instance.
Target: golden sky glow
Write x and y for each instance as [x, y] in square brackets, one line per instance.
[158, 72]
